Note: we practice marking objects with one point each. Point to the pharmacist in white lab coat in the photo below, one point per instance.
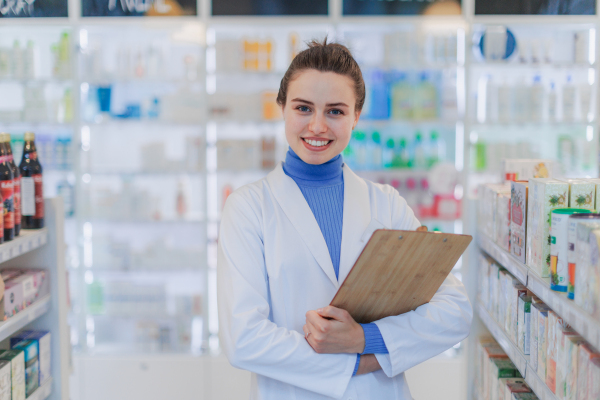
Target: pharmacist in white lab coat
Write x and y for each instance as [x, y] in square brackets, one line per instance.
[288, 241]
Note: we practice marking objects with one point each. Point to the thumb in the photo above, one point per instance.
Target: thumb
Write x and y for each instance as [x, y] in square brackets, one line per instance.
[332, 312]
[422, 228]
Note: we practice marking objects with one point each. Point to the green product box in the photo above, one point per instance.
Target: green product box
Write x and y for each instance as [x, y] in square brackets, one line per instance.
[545, 195]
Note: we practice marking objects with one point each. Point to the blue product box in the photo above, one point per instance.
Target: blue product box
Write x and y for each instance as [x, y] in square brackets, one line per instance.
[42, 341]
[32, 365]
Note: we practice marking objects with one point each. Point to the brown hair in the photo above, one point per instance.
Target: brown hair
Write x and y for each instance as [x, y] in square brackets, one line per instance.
[325, 57]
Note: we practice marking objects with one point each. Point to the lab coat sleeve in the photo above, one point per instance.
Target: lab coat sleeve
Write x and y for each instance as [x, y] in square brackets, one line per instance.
[249, 338]
[431, 329]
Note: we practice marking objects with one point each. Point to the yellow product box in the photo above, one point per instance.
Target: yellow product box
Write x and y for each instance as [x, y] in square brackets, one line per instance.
[544, 196]
[518, 219]
[503, 221]
[564, 338]
[572, 358]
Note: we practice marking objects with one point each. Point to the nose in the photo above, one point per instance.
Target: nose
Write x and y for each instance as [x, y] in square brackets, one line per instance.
[317, 124]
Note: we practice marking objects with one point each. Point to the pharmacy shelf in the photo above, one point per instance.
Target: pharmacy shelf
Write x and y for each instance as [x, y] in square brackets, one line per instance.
[513, 352]
[43, 392]
[508, 261]
[582, 322]
[28, 240]
[538, 386]
[21, 319]
[574, 315]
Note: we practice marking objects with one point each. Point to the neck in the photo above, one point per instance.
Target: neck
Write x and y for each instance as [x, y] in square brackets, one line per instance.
[329, 173]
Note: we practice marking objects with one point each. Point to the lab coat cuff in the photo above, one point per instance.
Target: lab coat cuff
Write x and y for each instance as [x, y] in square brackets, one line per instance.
[385, 360]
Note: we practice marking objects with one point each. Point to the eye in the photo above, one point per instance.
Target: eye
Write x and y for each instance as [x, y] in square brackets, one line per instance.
[303, 109]
[335, 111]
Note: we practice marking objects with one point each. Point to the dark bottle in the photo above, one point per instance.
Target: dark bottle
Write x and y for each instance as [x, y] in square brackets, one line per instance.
[5, 138]
[32, 191]
[7, 189]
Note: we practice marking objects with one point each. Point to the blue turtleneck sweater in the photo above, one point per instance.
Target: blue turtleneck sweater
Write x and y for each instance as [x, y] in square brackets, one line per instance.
[323, 189]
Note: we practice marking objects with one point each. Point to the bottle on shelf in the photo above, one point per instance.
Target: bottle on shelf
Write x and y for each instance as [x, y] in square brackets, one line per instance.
[418, 159]
[375, 151]
[388, 154]
[32, 194]
[569, 97]
[552, 103]
[7, 187]
[537, 99]
[437, 149]
[402, 158]
[5, 140]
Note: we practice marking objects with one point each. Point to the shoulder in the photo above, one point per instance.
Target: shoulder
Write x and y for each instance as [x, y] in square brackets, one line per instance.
[246, 200]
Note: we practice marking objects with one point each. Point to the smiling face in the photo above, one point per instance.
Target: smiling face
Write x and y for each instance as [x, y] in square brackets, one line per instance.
[319, 115]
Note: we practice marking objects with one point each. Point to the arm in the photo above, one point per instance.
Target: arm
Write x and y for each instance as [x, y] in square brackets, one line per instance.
[249, 338]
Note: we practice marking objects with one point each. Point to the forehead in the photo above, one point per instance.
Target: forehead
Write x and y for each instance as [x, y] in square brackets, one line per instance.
[315, 85]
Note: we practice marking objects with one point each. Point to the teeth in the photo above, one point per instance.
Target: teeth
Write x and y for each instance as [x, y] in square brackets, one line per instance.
[316, 143]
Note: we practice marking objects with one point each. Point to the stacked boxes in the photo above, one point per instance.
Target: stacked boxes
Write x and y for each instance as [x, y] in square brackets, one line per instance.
[16, 358]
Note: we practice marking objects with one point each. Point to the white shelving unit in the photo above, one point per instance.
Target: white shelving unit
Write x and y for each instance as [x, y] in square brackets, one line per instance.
[44, 248]
[572, 314]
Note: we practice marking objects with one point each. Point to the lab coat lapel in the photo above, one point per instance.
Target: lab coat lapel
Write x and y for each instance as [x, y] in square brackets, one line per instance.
[291, 200]
[356, 219]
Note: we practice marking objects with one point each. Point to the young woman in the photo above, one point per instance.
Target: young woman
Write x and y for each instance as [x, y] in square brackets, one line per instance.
[288, 241]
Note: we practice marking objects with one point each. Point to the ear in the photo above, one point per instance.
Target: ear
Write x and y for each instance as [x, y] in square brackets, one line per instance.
[356, 118]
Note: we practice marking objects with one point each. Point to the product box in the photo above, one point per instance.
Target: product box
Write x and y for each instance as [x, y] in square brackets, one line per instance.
[525, 169]
[503, 221]
[488, 202]
[571, 366]
[524, 396]
[581, 193]
[5, 384]
[517, 290]
[13, 297]
[32, 365]
[573, 251]
[518, 219]
[16, 358]
[545, 195]
[503, 389]
[536, 309]
[43, 341]
[513, 388]
[596, 183]
[500, 368]
[583, 270]
[586, 355]
[542, 337]
[593, 389]
[524, 324]
[506, 284]
[491, 351]
[556, 326]
[564, 338]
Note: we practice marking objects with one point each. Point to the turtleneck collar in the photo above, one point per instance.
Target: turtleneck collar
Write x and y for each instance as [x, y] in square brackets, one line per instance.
[326, 174]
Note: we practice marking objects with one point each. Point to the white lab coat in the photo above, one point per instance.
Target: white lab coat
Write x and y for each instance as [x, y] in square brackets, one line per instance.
[274, 266]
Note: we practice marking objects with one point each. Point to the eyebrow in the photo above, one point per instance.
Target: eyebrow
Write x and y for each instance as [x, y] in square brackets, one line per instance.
[327, 105]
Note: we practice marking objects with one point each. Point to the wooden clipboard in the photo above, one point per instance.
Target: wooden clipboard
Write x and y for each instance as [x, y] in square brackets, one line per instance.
[397, 272]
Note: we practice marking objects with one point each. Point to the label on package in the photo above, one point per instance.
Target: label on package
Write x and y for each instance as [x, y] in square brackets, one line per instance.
[7, 197]
[17, 199]
[39, 196]
[27, 196]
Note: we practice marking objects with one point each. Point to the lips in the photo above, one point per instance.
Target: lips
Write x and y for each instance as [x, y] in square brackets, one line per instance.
[316, 144]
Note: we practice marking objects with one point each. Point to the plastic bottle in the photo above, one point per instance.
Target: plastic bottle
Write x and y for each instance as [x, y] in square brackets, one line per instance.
[7, 186]
[65, 190]
[585, 101]
[32, 191]
[537, 99]
[569, 100]
[522, 102]
[388, 154]
[418, 158]
[437, 149]
[402, 159]
[375, 151]
[402, 98]
[504, 102]
[5, 139]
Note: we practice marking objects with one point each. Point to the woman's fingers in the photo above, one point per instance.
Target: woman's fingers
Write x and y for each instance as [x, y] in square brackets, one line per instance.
[317, 321]
[333, 313]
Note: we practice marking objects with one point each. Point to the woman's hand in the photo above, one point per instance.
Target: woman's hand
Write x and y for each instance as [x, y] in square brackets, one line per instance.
[332, 330]
[368, 363]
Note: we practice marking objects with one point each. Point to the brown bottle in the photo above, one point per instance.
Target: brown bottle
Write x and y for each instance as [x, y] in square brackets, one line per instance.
[7, 189]
[32, 191]
[5, 139]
